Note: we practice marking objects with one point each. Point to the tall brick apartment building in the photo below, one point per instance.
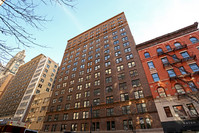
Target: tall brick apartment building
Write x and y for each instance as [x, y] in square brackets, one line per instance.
[171, 66]
[101, 73]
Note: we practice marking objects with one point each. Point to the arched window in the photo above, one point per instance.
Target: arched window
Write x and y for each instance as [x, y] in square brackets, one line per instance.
[192, 86]
[193, 39]
[177, 44]
[161, 92]
[147, 55]
[179, 89]
[159, 51]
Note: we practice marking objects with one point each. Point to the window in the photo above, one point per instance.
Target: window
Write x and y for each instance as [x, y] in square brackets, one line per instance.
[69, 97]
[155, 77]
[84, 127]
[182, 70]
[141, 107]
[106, 45]
[97, 82]
[131, 64]
[168, 111]
[108, 79]
[192, 86]
[123, 34]
[121, 76]
[88, 85]
[109, 112]
[97, 61]
[194, 67]
[89, 70]
[136, 83]
[86, 103]
[97, 55]
[117, 47]
[65, 117]
[192, 110]
[125, 38]
[88, 77]
[115, 37]
[122, 86]
[85, 114]
[109, 99]
[120, 68]
[171, 73]
[77, 105]
[63, 127]
[107, 51]
[118, 60]
[138, 94]
[97, 75]
[126, 44]
[193, 39]
[80, 80]
[96, 102]
[133, 73]
[179, 89]
[78, 95]
[127, 50]
[126, 110]
[161, 92]
[128, 57]
[87, 93]
[168, 47]
[110, 125]
[115, 42]
[185, 54]
[179, 110]
[79, 87]
[164, 60]
[159, 51]
[147, 55]
[108, 71]
[96, 113]
[117, 53]
[74, 127]
[107, 64]
[127, 124]
[177, 45]
[151, 65]
[106, 57]
[54, 126]
[96, 92]
[109, 89]
[124, 97]
[75, 115]
[67, 106]
[56, 117]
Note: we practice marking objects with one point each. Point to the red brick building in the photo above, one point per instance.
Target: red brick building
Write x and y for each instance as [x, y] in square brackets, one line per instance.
[101, 67]
[171, 66]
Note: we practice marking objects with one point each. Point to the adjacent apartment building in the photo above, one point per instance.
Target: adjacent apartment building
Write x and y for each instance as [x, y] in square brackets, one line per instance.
[27, 96]
[171, 66]
[7, 72]
[101, 85]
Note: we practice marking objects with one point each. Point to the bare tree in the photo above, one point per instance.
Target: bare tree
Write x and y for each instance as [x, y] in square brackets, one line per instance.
[15, 18]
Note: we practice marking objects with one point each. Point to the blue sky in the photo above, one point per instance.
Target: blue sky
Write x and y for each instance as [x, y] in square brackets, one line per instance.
[147, 19]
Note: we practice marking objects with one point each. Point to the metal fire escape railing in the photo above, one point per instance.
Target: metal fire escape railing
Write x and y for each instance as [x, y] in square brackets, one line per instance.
[180, 78]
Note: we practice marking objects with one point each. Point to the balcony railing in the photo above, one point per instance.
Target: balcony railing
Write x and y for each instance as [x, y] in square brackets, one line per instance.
[171, 50]
[189, 58]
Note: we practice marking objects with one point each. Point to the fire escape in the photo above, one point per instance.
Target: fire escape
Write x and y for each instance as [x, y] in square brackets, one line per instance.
[193, 95]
